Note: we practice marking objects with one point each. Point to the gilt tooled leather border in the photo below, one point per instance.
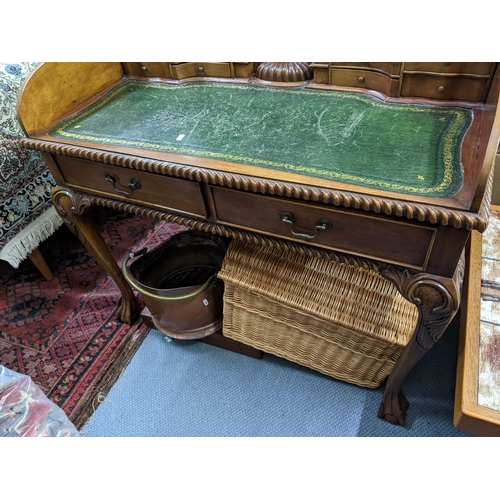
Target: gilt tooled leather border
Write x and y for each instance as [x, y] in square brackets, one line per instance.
[436, 215]
[459, 122]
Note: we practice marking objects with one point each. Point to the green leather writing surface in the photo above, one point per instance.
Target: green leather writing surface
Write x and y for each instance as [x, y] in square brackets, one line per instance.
[339, 136]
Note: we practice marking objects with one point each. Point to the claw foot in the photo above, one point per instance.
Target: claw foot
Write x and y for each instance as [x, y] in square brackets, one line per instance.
[128, 311]
[393, 409]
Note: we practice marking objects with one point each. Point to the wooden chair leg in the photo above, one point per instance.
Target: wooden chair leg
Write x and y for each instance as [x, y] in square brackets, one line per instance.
[37, 258]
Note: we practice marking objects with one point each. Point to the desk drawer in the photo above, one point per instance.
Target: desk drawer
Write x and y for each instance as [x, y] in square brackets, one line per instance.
[443, 87]
[206, 69]
[392, 69]
[375, 236]
[475, 68]
[155, 190]
[148, 69]
[366, 79]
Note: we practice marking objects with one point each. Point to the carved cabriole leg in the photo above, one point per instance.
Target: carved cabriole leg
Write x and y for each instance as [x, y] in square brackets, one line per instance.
[72, 207]
[437, 300]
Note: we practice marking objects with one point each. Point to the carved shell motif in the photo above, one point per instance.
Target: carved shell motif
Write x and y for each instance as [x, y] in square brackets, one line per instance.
[284, 71]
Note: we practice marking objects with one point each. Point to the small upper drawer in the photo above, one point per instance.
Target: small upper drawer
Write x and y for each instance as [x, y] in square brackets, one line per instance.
[390, 68]
[474, 68]
[443, 87]
[364, 79]
[203, 69]
[148, 69]
[155, 190]
[378, 237]
[179, 71]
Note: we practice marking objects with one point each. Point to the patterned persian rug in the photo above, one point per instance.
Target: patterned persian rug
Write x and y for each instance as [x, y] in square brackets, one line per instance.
[27, 216]
[63, 333]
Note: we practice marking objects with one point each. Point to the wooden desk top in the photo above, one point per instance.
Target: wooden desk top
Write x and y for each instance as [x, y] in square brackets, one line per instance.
[440, 174]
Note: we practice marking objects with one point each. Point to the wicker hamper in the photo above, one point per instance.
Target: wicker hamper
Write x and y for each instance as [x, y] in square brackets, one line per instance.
[341, 320]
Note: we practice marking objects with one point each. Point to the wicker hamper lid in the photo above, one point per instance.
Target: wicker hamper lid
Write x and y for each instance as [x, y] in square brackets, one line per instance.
[352, 297]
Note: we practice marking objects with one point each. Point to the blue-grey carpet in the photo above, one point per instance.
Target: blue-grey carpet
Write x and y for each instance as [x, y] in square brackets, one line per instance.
[186, 388]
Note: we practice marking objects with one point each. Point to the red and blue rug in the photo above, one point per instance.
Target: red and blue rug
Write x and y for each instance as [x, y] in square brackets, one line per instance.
[63, 333]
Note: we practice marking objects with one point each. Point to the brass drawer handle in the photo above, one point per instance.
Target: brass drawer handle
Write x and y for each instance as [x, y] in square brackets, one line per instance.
[133, 184]
[323, 225]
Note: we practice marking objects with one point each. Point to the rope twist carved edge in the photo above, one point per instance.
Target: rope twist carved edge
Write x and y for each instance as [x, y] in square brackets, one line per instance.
[421, 212]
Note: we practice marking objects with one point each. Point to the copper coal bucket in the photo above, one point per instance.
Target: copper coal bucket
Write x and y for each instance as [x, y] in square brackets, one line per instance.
[179, 284]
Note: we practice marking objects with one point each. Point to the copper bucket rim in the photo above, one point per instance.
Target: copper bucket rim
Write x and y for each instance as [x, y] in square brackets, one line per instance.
[151, 292]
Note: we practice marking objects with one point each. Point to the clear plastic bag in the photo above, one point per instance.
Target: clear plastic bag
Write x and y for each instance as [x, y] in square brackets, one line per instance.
[26, 411]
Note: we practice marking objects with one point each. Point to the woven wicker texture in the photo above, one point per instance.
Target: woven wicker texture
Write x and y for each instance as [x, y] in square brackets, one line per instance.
[344, 321]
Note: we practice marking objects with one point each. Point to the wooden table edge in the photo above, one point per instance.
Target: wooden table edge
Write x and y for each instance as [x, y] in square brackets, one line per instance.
[469, 416]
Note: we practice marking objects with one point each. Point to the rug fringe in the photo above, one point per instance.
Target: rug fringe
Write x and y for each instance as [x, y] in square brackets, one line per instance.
[16, 250]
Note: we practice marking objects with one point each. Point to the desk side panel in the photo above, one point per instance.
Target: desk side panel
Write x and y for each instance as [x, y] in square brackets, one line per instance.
[487, 141]
[54, 89]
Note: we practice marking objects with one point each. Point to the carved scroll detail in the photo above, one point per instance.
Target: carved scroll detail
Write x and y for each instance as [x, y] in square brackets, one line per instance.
[421, 212]
[79, 203]
[437, 299]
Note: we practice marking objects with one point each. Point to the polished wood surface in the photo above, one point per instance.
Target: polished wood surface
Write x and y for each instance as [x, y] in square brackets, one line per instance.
[456, 81]
[391, 239]
[416, 243]
[62, 87]
[476, 68]
[495, 196]
[487, 142]
[365, 79]
[183, 196]
[185, 70]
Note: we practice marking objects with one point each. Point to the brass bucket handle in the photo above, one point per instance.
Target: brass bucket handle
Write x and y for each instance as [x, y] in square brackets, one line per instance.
[134, 284]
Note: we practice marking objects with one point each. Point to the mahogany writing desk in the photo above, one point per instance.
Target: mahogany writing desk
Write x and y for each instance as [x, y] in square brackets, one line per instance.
[382, 165]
